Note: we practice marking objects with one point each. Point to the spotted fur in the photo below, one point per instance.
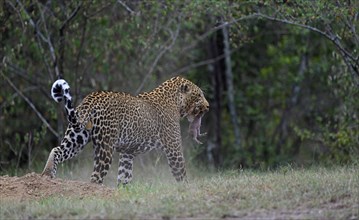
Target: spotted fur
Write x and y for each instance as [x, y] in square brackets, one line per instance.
[130, 125]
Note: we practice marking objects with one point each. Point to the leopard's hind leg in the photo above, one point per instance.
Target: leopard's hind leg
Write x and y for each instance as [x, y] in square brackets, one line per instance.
[125, 167]
[71, 145]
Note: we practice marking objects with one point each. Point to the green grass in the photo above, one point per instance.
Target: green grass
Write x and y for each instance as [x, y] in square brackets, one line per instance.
[325, 193]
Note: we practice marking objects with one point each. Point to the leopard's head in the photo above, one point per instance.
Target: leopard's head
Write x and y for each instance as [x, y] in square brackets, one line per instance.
[191, 100]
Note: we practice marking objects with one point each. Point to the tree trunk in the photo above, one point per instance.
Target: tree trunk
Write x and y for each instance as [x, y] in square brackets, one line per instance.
[216, 71]
[282, 129]
[229, 85]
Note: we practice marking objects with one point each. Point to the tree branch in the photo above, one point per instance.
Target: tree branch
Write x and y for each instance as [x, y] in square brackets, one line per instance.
[51, 47]
[126, 7]
[14, 7]
[202, 63]
[72, 16]
[331, 36]
[216, 28]
[41, 36]
[158, 57]
[62, 40]
[31, 105]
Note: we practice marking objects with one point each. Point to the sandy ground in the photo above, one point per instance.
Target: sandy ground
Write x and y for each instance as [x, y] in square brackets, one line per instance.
[33, 186]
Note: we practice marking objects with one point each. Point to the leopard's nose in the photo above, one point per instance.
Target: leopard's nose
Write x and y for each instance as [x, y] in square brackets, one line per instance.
[207, 107]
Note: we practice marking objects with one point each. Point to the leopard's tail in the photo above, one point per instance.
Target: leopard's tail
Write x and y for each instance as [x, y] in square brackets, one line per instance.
[61, 90]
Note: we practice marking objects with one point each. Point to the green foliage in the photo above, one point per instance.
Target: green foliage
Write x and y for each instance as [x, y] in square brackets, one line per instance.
[285, 108]
[294, 89]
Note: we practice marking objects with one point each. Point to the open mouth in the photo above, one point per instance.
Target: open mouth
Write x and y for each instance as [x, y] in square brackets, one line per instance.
[196, 113]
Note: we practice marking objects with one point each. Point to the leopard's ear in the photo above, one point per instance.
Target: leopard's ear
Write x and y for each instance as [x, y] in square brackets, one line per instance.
[184, 88]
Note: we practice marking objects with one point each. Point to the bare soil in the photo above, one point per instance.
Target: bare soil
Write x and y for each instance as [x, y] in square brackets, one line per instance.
[33, 186]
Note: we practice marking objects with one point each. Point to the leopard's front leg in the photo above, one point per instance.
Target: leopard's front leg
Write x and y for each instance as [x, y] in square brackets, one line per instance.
[176, 162]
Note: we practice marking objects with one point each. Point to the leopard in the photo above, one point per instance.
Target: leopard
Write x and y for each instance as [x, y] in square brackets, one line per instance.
[129, 125]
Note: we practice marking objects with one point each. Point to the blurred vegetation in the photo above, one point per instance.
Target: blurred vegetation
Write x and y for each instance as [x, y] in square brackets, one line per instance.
[291, 68]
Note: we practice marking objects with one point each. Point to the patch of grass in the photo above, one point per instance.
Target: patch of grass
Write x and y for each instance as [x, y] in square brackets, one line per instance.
[329, 193]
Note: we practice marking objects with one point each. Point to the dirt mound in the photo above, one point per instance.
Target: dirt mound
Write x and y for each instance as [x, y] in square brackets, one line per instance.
[34, 186]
